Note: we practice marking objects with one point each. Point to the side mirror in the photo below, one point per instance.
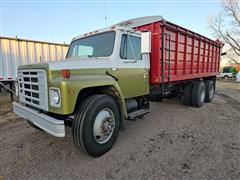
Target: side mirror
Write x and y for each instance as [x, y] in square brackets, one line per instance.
[146, 42]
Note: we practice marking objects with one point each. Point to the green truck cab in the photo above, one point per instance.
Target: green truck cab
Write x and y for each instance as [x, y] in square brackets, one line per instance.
[102, 81]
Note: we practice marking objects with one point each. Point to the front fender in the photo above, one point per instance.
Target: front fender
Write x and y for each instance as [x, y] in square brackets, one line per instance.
[71, 87]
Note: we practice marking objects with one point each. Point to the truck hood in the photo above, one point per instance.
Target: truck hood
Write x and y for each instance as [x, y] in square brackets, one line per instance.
[34, 66]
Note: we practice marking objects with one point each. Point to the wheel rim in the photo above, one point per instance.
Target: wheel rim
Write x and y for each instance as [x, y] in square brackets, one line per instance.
[211, 92]
[104, 126]
[202, 95]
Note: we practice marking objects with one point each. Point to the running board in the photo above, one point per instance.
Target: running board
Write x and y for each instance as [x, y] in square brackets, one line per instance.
[135, 114]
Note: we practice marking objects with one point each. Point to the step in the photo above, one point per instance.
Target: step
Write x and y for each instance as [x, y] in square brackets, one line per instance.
[133, 115]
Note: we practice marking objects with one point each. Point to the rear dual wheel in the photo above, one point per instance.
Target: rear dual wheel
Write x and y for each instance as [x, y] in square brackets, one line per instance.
[210, 90]
[198, 94]
[195, 94]
[187, 94]
[96, 125]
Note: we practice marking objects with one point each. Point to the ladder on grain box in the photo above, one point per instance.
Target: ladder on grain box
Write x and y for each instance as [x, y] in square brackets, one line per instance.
[166, 48]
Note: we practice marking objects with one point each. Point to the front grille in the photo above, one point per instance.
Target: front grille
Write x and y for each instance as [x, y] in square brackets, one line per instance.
[33, 88]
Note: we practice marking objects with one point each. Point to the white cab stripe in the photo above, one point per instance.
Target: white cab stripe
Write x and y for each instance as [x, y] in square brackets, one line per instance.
[93, 64]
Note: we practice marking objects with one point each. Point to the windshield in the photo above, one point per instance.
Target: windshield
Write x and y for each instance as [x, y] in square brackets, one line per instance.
[99, 45]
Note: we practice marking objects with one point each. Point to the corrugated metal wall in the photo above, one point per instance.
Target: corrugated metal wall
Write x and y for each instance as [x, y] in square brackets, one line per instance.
[16, 52]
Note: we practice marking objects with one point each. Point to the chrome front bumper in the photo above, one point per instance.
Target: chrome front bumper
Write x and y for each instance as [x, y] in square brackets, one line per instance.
[50, 125]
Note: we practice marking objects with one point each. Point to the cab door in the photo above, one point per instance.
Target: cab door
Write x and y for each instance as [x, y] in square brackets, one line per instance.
[132, 67]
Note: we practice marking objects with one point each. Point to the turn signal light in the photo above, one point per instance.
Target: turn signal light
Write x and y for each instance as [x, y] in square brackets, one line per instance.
[65, 73]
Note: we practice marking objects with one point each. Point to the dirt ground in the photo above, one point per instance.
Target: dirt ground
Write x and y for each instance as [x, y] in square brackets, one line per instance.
[172, 142]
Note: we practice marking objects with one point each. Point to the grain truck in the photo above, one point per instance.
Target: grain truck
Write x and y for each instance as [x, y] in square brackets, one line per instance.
[111, 74]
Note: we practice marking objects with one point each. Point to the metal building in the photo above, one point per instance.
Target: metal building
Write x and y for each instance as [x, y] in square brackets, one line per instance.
[15, 52]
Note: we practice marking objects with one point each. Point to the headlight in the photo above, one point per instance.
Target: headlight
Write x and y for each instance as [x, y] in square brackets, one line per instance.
[55, 98]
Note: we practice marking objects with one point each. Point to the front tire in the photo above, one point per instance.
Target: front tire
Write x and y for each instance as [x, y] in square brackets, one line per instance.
[96, 125]
[198, 94]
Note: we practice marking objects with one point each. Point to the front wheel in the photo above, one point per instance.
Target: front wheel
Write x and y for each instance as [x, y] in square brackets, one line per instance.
[96, 125]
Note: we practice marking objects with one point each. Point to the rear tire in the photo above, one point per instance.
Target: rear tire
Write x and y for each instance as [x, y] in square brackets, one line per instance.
[198, 94]
[187, 94]
[210, 90]
[96, 125]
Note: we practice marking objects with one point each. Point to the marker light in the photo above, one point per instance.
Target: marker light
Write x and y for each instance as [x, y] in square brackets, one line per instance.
[65, 73]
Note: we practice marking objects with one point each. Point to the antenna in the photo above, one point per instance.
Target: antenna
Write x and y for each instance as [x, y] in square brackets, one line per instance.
[105, 12]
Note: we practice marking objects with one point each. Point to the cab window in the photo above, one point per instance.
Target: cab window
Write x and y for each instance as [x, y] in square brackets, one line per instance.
[130, 47]
[82, 51]
[98, 45]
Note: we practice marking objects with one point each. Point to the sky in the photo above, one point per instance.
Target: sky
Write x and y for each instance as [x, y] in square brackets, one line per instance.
[61, 20]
